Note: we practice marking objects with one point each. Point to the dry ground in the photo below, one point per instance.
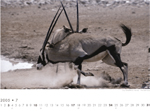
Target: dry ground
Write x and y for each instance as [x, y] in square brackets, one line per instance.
[23, 30]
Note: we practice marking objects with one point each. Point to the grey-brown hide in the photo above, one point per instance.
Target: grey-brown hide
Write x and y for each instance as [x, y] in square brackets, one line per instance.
[79, 45]
[59, 35]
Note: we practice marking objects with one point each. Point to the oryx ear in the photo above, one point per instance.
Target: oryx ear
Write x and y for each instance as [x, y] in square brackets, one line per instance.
[83, 30]
[66, 29]
[48, 45]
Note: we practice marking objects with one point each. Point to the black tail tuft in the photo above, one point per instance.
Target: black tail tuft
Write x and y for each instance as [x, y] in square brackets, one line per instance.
[127, 32]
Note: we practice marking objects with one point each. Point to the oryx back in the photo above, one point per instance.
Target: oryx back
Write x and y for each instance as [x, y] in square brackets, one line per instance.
[81, 45]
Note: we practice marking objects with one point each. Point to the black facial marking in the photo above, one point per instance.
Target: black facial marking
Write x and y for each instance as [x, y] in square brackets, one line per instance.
[41, 61]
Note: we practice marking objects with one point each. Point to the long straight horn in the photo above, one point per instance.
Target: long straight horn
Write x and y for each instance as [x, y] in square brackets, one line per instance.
[77, 17]
[67, 17]
[55, 23]
[51, 28]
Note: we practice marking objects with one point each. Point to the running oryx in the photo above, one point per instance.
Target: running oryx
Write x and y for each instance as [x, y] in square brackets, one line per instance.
[79, 47]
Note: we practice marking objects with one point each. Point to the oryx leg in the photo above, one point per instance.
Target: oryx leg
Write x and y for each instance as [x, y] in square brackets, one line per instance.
[57, 68]
[78, 62]
[79, 73]
[116, 61]
[124, 70]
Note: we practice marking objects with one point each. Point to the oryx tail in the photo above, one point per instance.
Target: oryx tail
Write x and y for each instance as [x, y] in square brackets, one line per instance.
[127, 32]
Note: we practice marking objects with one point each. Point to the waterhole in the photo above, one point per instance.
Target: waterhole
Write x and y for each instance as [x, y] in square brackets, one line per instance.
[13, 64]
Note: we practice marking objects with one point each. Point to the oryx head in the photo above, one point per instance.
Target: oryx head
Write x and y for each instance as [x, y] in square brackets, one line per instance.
[59, 35]
[43, 58]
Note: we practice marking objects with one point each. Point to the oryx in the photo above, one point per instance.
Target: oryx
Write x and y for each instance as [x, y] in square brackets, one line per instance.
[78, 48]
[70, 46]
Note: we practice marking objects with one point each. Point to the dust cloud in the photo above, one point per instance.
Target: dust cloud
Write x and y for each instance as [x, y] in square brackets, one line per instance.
[33, 78]
[47, 78]
[97, 81]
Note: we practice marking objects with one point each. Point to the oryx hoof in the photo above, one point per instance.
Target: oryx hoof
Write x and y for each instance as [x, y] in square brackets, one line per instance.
[89, 74]
[125, 85]
[81, 86]
[77, 86]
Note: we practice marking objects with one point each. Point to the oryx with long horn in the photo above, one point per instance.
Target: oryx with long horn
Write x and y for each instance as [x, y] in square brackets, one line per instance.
[80, 47]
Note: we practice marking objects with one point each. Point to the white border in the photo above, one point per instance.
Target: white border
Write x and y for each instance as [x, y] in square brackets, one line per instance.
[98, 99]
